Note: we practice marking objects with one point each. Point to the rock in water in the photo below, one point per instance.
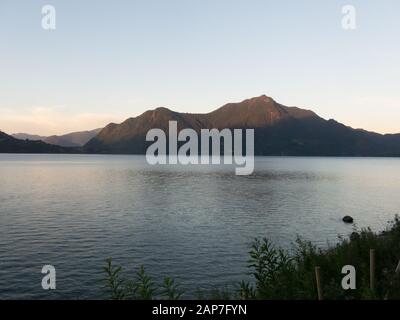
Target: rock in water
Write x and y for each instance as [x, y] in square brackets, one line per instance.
[348, 219]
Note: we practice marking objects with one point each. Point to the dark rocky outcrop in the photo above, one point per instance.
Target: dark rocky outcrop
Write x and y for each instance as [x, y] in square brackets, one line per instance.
[348, 219]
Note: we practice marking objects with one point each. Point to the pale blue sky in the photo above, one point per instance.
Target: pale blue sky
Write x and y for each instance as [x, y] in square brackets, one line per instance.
[108, 60]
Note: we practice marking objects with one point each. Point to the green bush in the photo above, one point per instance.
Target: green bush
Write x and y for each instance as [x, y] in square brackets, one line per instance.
[279, 274]
[141, 287]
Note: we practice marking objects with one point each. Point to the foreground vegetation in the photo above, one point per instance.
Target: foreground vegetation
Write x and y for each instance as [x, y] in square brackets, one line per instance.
[279, 274]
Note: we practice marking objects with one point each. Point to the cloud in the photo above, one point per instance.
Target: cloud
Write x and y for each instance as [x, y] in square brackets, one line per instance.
[44, 120]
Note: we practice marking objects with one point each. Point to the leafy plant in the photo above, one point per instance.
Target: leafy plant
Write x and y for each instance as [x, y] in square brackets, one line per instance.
[170, 289]
[113, 281]
[141, 287]
[278, 274]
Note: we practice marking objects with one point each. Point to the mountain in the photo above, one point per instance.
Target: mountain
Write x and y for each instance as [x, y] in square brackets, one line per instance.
[74, 139]
[279, 130]
[27, 136]
[9, 144]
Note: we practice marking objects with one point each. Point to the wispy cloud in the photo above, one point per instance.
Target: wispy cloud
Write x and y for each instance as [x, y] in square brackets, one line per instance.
[45, 120]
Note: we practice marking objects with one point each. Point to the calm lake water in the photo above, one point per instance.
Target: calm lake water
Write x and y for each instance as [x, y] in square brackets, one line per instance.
[193, 223]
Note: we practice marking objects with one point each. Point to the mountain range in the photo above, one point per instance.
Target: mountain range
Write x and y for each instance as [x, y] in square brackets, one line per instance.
[9, 144]
[73, 139]
[279, 130]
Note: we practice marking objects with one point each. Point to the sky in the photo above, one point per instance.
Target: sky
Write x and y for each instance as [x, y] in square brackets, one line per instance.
[110, 60]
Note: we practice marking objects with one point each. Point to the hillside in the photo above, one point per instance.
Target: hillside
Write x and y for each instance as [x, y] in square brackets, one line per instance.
[73, 139]
[279, 130]
[9, 144]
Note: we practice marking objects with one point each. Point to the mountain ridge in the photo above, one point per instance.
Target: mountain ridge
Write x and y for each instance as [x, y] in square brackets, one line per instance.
[279, 130]
[9, 144]
[72, 139]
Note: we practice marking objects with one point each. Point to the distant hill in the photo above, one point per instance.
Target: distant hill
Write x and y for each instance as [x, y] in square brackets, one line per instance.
[279, 130]
[74, 139]
[9, 144]
[27, 136]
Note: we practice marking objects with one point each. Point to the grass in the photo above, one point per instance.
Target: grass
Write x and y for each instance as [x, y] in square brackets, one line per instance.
[281, 275]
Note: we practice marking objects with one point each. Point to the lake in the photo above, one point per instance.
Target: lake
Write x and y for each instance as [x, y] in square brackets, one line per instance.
[194, 223]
